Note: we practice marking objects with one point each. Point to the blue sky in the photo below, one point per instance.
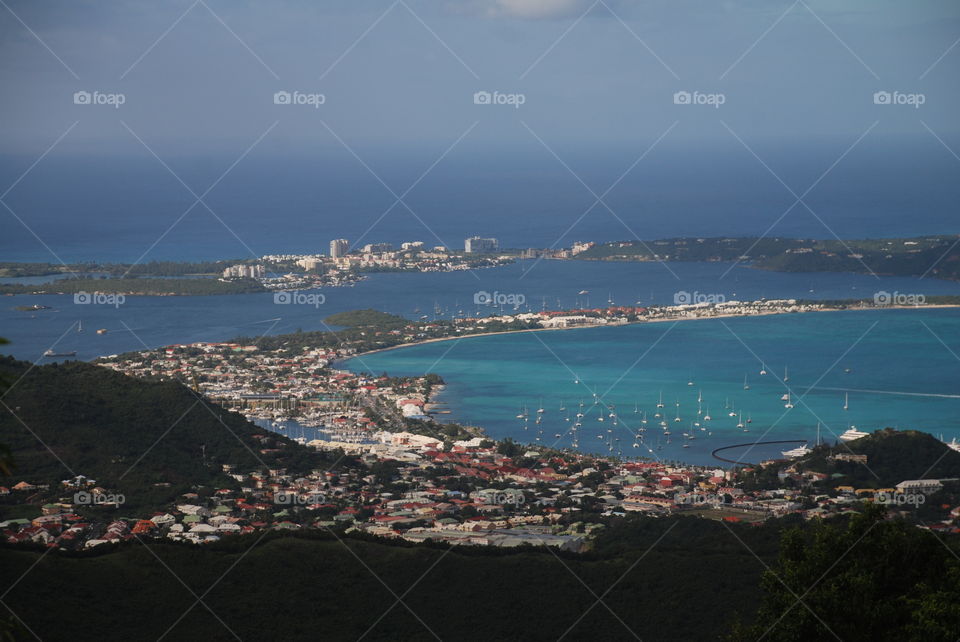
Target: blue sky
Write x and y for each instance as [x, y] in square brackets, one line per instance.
[200, 77]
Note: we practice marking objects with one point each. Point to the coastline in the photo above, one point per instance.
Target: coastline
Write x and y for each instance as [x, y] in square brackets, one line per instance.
[643, 322]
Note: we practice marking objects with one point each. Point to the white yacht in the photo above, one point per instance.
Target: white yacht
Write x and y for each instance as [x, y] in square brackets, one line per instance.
[793, 453]
[852, 433]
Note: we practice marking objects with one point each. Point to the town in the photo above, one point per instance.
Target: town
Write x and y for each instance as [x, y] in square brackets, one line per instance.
[404, 474]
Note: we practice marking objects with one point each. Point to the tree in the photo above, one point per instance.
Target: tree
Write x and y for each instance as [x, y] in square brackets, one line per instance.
[866, 579]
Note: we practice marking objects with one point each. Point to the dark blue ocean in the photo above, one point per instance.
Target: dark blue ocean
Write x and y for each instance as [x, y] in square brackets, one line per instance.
[72, 207]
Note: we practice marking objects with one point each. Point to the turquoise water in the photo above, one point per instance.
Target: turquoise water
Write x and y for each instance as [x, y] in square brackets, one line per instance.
[891, 365]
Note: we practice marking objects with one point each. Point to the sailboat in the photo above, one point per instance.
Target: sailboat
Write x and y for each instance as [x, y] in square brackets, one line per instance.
[80, 325]
[746, 386]
[740, 421]
[541, 410]
[846, 401]
[789, 403]
[562, 406]
[786, 377]
[660, 403]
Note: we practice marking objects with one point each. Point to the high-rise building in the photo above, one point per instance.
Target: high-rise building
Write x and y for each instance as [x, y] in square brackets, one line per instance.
[339, 247]
[476, 244]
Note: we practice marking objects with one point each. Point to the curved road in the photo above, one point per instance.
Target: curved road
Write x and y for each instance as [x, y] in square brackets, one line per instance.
[751, 443]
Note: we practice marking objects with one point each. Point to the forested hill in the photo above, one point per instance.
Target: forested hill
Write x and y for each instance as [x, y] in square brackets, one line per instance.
[131, 435]
[936, 256]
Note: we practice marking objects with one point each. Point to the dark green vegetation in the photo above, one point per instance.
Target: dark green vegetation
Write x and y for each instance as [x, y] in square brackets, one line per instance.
[150, 441]
[153, 268]
[312, 587]
[133, 286]
[940, 255]
[892, 457]
[868, 580]
[660, 579]
[365, 330]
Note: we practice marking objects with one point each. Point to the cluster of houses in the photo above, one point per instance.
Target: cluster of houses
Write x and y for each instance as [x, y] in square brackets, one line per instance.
[468, 492]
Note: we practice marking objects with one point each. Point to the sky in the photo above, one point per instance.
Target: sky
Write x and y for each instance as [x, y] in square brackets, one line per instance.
[200, 77]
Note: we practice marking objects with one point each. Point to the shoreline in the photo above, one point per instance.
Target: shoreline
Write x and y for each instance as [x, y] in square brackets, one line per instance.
[643, 322]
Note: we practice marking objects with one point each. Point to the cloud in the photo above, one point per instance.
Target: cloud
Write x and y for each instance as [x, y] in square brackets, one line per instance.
[537, 9]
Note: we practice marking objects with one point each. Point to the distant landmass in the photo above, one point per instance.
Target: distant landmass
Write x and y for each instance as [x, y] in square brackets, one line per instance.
[936, 256]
